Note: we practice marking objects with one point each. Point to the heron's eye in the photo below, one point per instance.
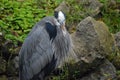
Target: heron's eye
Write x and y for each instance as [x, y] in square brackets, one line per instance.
[60, 17]
[61, 21]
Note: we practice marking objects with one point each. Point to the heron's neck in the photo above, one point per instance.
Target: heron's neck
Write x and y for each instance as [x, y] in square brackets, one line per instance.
[64, 30]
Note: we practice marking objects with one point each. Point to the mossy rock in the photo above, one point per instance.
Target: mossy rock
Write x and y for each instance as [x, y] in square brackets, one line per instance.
[2, 65]
[116, 62]
[3, 77]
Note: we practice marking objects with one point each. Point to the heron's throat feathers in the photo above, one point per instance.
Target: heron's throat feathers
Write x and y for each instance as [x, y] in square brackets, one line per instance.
[63, 29]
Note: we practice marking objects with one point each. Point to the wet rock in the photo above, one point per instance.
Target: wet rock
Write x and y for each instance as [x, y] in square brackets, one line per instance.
[2, 66]
[105, 71]
[12, 67]
[93, 43]
[81, 69]
[13, 78]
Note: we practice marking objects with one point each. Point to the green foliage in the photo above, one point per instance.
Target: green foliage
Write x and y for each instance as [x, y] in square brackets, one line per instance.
[64, 75]
[48, 5]
[118, 72]
[111, 15]
[17, 17]
[74, 16]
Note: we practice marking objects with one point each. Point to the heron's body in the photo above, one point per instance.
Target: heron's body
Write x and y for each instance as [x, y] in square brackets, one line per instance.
[44, 49]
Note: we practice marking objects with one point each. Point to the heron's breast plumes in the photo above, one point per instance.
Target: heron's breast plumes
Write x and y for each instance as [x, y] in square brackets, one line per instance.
[62, 45]
[64, 30]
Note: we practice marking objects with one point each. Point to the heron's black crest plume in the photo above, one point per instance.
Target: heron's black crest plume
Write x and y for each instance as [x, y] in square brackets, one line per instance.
[51, 29]
[56, 14]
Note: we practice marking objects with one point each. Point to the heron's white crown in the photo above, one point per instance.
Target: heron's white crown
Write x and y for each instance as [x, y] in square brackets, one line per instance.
[61, 17]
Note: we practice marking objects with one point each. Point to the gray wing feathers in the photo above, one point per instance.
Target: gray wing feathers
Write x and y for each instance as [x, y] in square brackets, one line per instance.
[36, 53]
[41, 24]
[62, 46]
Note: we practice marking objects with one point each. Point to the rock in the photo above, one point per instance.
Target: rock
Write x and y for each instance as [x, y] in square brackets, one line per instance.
[76, 10]
[91, 7]
[112, 3]
[63, 7]
[81, 68]
[1, 40]
[92, 39]
[117, 40]
[3, 77]
[116, 57]
[118, 76]
[105, 71]
[1, 34]
[8, 59]
[13, 78]
[2, 65]
[93, 43]
[12, 67]
[16, 62]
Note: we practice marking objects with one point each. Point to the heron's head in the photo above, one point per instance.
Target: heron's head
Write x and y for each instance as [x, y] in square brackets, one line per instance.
[60, 16]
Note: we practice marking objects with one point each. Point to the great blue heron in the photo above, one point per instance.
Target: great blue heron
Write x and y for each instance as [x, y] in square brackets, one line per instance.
[45, 48]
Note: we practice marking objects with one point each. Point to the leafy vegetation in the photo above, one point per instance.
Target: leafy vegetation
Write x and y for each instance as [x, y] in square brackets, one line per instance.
[111, 14]
[17, 17]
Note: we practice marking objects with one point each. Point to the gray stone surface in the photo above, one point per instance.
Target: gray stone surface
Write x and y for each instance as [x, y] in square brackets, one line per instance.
[117, 40]
[92, 39]
[2, 65]
[105, 71]
[91, 7]
[63, 7]
[93, 43]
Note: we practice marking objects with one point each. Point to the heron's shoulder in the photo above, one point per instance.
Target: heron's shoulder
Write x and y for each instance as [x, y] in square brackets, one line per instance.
[47, 23]
[49, 19]
[46, 19]
[40, 24]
